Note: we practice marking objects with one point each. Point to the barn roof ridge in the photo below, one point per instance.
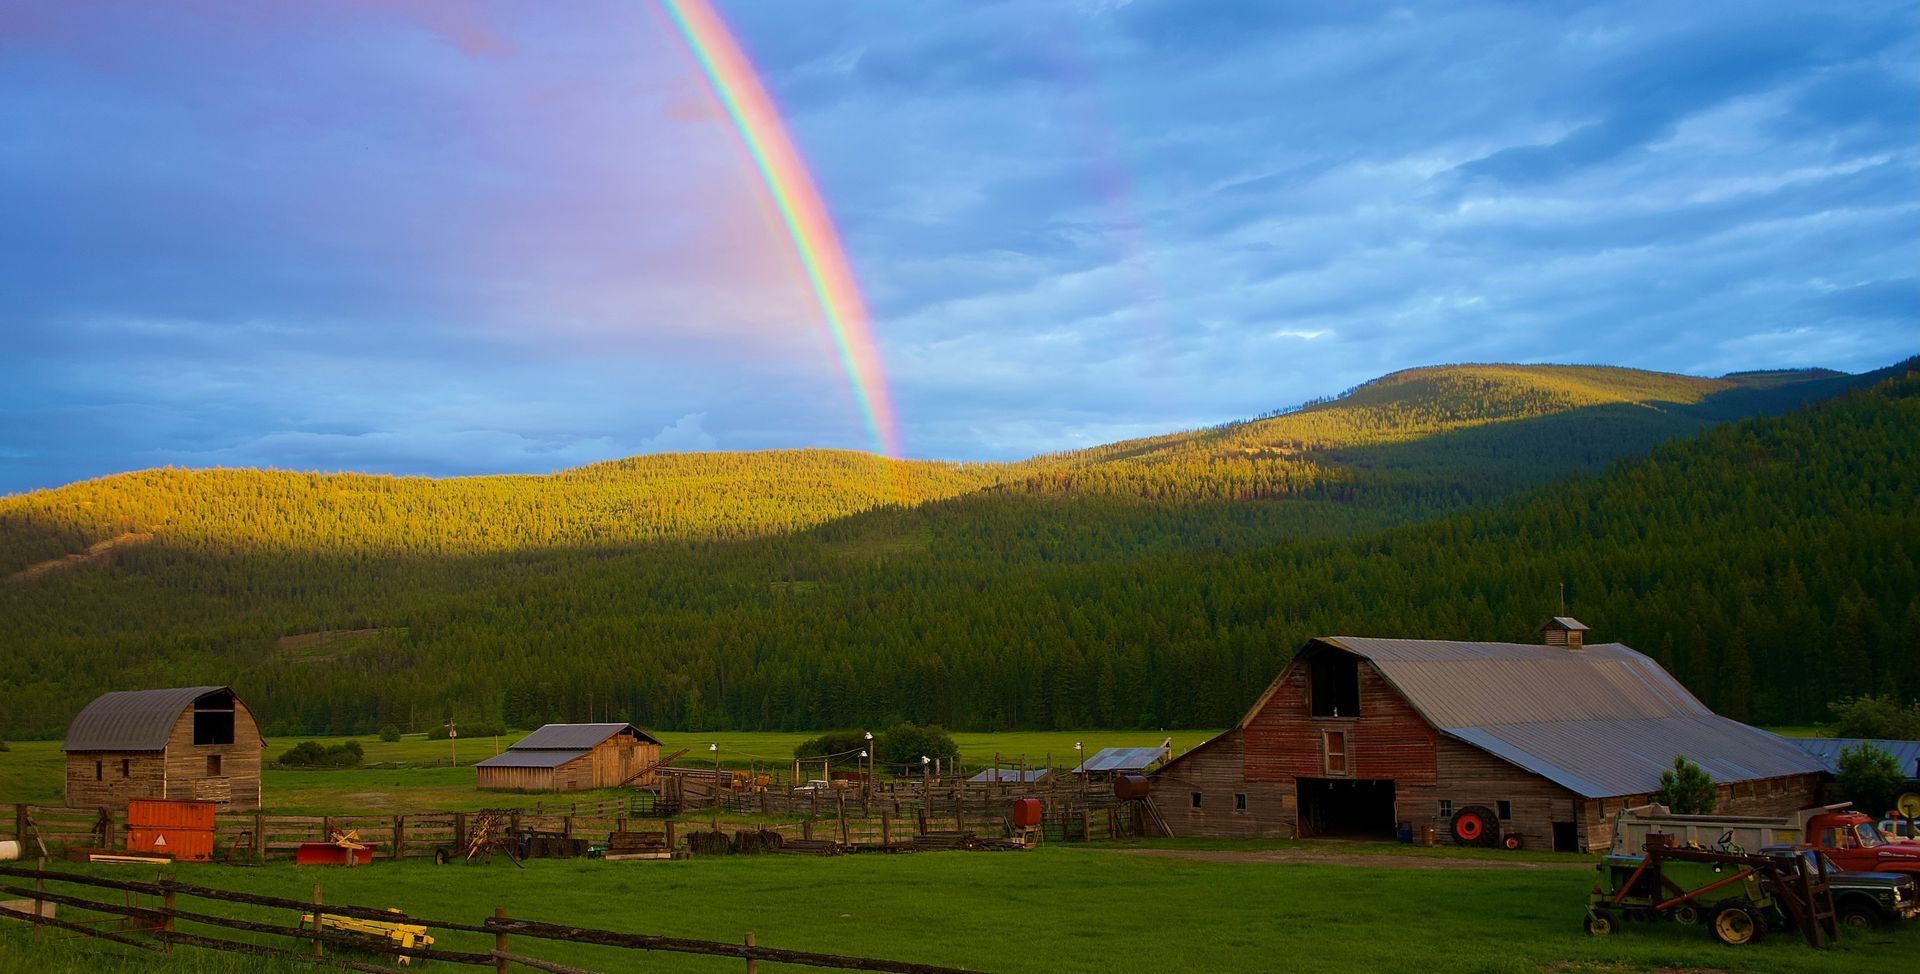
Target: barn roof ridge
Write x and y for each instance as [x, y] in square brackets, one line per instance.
[576, 737]
[132, 720]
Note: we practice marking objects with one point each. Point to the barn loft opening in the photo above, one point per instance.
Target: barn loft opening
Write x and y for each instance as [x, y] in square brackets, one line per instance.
[213, 718]
[1336, 685]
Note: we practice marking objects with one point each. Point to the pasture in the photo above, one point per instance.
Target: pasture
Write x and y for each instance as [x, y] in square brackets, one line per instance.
[1058, 909]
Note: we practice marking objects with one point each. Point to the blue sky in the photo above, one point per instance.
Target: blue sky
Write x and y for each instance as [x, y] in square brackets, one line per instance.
[463, 237]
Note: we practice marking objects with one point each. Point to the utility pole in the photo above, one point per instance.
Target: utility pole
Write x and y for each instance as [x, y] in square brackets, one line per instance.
[453, 741]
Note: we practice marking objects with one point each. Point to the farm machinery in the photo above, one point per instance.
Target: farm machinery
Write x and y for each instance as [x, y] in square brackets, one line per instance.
[375, 935]
[1735, 894]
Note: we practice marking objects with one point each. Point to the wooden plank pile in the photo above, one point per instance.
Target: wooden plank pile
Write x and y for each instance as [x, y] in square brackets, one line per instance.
[944, 841]
[637, 845]
[809, 847]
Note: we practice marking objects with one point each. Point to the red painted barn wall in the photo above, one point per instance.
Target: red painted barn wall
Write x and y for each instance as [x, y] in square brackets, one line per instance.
[1387, 740]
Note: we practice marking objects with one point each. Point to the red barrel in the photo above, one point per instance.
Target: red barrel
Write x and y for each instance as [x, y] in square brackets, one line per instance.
[1131, 787]
[1026, 813]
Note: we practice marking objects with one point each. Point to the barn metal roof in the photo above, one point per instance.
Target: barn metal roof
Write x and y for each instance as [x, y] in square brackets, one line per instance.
[576, 736]
[1121, 759]
[1827, 750]
[1565, 622]
[532, 759]
[131, 720]
[1011, 774]
[1602, 721]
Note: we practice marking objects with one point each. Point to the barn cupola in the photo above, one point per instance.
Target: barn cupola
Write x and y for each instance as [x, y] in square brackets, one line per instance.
[1564, 631]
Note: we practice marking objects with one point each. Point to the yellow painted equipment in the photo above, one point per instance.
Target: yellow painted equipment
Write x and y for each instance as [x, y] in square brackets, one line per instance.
[382, 932]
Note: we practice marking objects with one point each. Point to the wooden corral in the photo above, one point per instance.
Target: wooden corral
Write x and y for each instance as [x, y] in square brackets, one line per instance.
[187, 742]
[573, 757]
[1358, 736]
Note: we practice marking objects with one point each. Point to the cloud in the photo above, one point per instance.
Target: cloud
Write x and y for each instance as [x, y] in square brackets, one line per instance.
[684, 436]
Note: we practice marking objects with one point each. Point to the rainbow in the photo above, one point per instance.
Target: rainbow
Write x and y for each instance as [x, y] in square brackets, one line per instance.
[791, 185]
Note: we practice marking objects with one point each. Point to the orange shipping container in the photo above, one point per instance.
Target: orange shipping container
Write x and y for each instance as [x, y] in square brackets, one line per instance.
[164, 813]
[195, 845]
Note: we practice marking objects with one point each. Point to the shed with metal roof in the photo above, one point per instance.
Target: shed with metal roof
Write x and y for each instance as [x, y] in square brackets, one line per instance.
[179, 742]
[1537, 742]
[573, 757]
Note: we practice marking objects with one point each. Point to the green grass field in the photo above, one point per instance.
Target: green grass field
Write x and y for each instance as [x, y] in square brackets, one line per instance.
[421, 780]
[1054, 910]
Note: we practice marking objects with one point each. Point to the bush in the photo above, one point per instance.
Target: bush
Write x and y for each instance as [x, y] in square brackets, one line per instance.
[311, 754]
[902, 746]
[389, 733]
[1877, 717]
[1868, 777]
[1686, 790]
[466, 730]
[835, 742]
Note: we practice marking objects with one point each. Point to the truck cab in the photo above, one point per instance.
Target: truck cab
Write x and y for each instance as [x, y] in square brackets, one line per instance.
[1854, 843]
[1859, 899]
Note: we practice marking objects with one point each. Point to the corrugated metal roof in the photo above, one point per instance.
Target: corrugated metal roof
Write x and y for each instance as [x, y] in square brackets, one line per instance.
[1827, 750]
[131, 720]
[1566, 622]
[532, 759]
[576, 736]
[1122, 759]
[1011, 774]
[1601, 721]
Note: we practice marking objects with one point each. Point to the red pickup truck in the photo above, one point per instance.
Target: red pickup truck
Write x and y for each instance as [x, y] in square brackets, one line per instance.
[1856, 844]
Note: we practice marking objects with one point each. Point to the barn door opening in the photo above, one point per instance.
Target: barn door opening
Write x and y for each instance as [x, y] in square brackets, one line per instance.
[1339, 807]
[1566, 838]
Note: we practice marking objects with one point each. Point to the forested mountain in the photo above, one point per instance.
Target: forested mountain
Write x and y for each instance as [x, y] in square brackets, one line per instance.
[1155, 582]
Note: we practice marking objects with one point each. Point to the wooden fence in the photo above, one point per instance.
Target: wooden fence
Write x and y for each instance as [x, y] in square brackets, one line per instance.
[149, 918]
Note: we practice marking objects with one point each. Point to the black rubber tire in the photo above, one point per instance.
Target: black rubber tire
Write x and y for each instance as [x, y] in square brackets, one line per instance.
[440, 857]
[1475, 825]
[1602, 923]
[1858, 915]
[1737, 923]
[1511, 841]
[1686, 914]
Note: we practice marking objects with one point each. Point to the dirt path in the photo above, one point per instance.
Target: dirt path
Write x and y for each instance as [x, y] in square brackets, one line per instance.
[95, 552]
[1320, 857]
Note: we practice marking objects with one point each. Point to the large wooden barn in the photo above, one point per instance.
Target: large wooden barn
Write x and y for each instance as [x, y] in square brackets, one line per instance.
[185, 742]
[1359, 734]
[573, 757]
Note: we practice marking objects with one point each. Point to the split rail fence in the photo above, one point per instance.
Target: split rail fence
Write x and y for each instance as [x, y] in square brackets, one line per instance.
[149, 918]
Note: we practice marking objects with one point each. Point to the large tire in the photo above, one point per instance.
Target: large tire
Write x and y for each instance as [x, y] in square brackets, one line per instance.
[1476, 825]
[1602, 923]
[1858, 914]
[1906, 799]
[1511, 841]
[1737, 923]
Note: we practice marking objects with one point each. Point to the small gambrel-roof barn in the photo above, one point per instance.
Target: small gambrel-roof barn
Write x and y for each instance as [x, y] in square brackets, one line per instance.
[180, 742]
[573, 757]
[1359, 733]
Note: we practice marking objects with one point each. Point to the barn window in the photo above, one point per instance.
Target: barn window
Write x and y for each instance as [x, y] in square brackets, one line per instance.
[1196, 799]
[126, 768]
[1446, 808]
[1239, 802]
[1335, 743]
[1505, 809]
[1336, 685]
[213, 765]
[99, 771]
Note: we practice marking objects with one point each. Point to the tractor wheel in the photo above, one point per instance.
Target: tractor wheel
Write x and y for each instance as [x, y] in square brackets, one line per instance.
[440, 857]
[1476, 825]
[1601, 923]
[1906, 799]
[1737, 923]
[1685, 914]
[1511, 840]
[1858, 915]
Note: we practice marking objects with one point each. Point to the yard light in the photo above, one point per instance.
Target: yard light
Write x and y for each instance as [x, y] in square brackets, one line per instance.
[863, 754]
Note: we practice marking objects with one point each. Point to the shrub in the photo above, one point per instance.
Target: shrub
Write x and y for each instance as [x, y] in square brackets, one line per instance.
[1868, 777]
[1876, 717]
[902, 745]
[475, 729]
[312, 754]
[389, 733]
[1686, 789]
[834, 742]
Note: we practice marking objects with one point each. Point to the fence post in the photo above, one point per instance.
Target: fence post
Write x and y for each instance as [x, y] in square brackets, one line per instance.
[460, 831]
[842, 799]
[1086, 824]
[39, 905]
[752, 967]
[886, 830]
[671, 841]
[166, 900]
[20, 829]
[259, 837]
[399, 836]
[566, 826]
[317, 928]
[499, 943]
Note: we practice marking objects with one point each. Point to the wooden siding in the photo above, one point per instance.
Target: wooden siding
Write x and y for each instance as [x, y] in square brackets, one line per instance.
[1388, 740]
[1470, 776]
[1216, 770]
[608, 765]
[177, 771]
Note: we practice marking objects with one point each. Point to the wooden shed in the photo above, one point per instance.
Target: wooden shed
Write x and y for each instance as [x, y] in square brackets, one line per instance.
[1358, 735]
[573, 757]
[196, 743]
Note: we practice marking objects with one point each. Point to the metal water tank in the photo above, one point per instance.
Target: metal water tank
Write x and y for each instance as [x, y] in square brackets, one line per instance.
[1131, 787]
